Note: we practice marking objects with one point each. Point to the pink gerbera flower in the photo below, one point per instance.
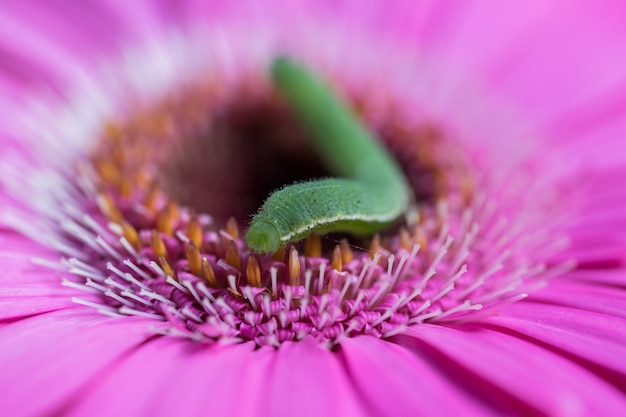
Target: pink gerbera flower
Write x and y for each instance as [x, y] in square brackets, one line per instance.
[138, 140]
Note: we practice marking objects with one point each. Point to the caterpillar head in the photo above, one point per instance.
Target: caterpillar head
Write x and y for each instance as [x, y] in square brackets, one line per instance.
[263, 237]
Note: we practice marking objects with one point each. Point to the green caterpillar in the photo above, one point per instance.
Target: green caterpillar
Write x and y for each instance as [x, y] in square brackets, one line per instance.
[372, 192]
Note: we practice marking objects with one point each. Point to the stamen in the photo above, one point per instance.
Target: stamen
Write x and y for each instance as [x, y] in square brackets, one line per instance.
[274, 281]
[232, 228]
[129, 248]
[157, 297]
[136, 269]
[65, 282]
[108, 248]
[131, 294]
[308, 275]
[157, 245]
[194, 231]
[405, 239]
[346, 251]
[113, 283]
[107, 206]
[125, 187]
[133, 312]
[192, 290]
[253, 273]
[249, 294]
[108, 171]
[99, 307]
[232, 255]
[466, 306]
[131, 235]
[232, 285]
[193, 258]
[313, 246]
[150, 201]
[336, 261]
[119, 298]
[374, 246]
[280, 255]
[320, 279]
[294, 267]
[166, 219]
[420, 237]
[99, 287]
[208, 273]
[165, 266]
[187, 312]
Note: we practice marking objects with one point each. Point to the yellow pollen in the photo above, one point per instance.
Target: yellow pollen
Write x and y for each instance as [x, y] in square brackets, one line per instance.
[118, 154]
[208, 273]
[108, 171]
[194, 231]
[151, 198]
[167, 218]
[346, 251]
[280, 255]
[232, 228]
[131, 235]
[109, 208]
[420, 237]
[113, 132]
[313, 246]
[374, 246]
[193, 258]
[232, 255]
[253, 271]
[405, 239]
[165, 266]
[126, 186]
[157, 245]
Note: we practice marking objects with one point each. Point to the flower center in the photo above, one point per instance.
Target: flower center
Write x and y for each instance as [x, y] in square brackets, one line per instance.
[169, 189]
[246, 147]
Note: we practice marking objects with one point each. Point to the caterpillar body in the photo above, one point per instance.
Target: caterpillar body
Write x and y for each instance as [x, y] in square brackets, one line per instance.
[371, 193]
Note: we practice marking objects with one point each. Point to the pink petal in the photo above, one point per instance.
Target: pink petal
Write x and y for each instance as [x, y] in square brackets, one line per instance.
[132, 383]
[585, 296]
[548, 382]
[597, 121]
[166, 376]
[20, 302]
[612, 277]
[606, 253]
[513, 49]
[47, 359]
[596, 216]
[306, 379]
[549, 86]
[54, 43]
[33, 55]
[22, 248]
[28, 289]
[396, 382]
[596, 337]
[210, 380]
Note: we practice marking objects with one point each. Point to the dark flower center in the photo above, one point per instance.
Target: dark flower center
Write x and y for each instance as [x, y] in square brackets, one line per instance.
[249, 147]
